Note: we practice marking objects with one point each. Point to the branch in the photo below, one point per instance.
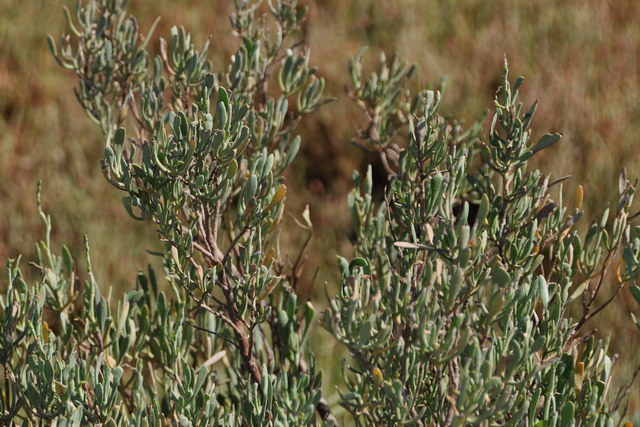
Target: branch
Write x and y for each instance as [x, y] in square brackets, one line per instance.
[222, 337]
[243, 343]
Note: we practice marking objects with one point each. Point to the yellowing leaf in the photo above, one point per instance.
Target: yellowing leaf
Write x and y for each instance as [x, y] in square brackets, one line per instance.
[111, 362]
[269, 288]
[277, 198]
[579, 196]
[619, 278]
[60, 388]
[45, 331]
[269, 257]
[376, 373]
[579, 375]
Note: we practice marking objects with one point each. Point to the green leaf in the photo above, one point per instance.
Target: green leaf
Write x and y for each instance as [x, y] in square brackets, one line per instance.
[68, 260]
[223, 97]
[635, 291]
[250, 188]
[578, 292]
[454, 287]
[208, 81]
[567, 418]
[500, 276]
[52, 46]
[365, 333]
[483, 210]
[120, 135]
[360, 262]
[546, 141]
[201, 376]
[543, 288]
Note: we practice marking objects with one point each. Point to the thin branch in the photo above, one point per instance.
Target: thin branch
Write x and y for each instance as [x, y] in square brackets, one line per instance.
[217, 334]
[216, 221]
[243, 342]
[246, 228]
[587, 314]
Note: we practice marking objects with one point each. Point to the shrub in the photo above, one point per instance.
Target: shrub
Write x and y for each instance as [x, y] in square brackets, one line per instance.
[453, 308]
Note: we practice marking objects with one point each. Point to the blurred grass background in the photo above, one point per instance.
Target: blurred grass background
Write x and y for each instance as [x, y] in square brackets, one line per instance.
[580, 57]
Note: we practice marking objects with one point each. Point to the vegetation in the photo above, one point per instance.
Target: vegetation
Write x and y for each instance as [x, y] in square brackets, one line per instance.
[454, 308]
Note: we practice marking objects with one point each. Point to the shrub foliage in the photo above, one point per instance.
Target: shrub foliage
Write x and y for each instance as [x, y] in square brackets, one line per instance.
[453, 307]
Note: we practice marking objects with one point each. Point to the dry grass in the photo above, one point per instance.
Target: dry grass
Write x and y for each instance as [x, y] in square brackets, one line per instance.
[581, 58]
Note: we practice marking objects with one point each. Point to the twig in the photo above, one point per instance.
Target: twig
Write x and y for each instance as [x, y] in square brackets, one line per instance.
[217, 334]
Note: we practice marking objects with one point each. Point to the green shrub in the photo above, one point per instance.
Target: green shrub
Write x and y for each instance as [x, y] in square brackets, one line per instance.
[453, 308]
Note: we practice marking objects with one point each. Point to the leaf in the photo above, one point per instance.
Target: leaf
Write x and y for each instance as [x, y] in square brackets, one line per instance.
[365, 333]
[376, 373]
[500, 276]
[127, 203]
[360, 262]
[343, 265]
[543, 288]
[52, 46]
[483, 210]
[635, 320]
[201, 376]
[250, 188]
[622, 180]
[429, 231]
[223, 97]
[232, 169]
[454, 287]
[45, 331]
[567, 418]
[309, 314]
[546, 141]
[635, 291]
[306, 217]
[293, 151]
[68, 260]
[577, 292]
[518, 83]
[409, 245]
[209, 80]
[538, 344]
[579, 375]
[579, 197]
[545, 211]
[281, 192]
[118, 140]
[215, 358]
